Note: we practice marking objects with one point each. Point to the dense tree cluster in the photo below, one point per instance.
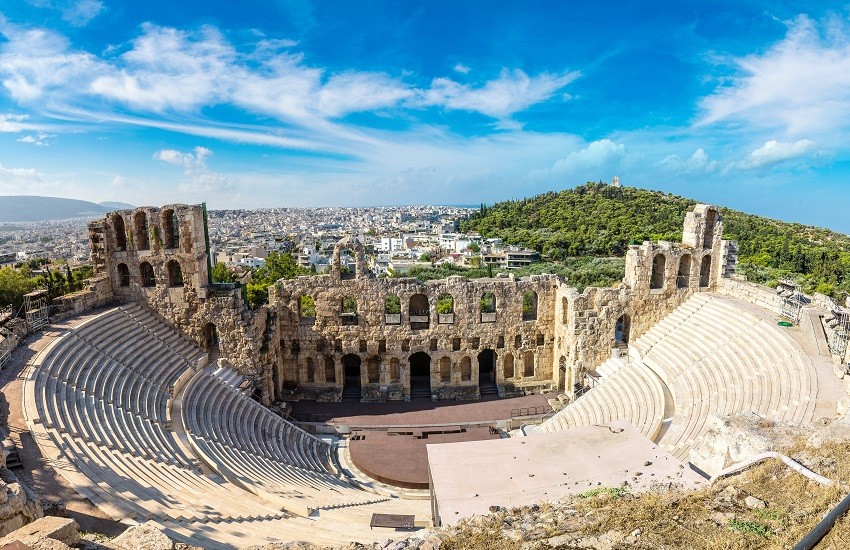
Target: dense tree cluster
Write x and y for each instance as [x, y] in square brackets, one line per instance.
[598, 220]
[57, 280]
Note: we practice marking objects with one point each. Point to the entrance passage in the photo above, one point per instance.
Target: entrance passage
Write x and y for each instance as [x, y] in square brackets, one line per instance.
[420, 375]
[487, 373]
[351, 372]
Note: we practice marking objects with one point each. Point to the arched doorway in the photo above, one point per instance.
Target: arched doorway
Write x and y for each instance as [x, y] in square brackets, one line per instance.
[211, 338]
[621, 329]
[705, 271]
[420, 375]
[351, 372]
[487, 372]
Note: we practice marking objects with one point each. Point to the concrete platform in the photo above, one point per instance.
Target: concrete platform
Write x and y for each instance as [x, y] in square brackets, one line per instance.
[468, 478]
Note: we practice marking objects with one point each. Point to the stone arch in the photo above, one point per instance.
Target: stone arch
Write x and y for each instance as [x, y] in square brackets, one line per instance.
[465, 369]
[488, 302]
[123, 275]
[351, 375]
[120, 232]
[621, 329]
[392, 304]
[487, 367]
[170, 229]
[419, 311]
[529, 305]
[359, 259]
[705, 271]
[683, 278]
[373, 370]
[146, 274]
[528, 364]
[211, 341]
[445, 369]
[565, 310]
[330, 370]
[348, 309]
[562, 373]
[140, 227]
[711, 219]
[395, 370]
[420, 374]
[310, 371]
[445, 304]
[659, 268]
[175, 274]
[508, 366]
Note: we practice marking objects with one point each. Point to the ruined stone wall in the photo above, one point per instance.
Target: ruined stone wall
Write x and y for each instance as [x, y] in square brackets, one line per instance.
[310, 349]
[659, 277]
[759, 295]
[158, 257]
[98, 292]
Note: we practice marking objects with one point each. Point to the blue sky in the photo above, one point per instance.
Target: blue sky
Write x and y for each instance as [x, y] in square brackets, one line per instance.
[293, 103]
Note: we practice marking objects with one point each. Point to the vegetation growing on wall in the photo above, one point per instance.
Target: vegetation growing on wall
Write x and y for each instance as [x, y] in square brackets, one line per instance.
[598, 220]
[57, 280]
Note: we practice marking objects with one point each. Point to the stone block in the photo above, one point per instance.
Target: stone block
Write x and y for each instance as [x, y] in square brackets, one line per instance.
[64, 530]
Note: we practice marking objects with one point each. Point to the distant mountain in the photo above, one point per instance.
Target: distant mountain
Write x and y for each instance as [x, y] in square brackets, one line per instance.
[116, 205]
[23, 208]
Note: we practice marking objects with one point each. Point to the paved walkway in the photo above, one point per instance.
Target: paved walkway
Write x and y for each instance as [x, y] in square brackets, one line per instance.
[418, 412]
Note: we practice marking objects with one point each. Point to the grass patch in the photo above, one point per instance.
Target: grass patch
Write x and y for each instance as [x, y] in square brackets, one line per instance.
[749, 527]
[610, 491]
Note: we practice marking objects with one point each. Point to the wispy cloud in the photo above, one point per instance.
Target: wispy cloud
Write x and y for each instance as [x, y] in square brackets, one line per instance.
[461, 68]
[698, 162]
[22, 181]
[10, 123]
[39, 140]
[800, 84]
[80, 12]
[774, 152]
[197, 176]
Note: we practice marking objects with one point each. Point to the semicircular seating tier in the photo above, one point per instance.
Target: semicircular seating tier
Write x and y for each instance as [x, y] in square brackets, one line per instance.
[97, 401]
[712, 355]
[260, 451]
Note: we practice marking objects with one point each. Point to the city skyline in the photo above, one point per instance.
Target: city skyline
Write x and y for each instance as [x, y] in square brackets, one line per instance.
[282, 103]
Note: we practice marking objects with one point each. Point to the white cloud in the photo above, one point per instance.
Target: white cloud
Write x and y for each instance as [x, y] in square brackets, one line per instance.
[118, 181]
[774, 152]
[461, 68]
[80, 12]
[698, 162]
[40, 139]
[10, 123]
[800, 84]
[198, 178]
[511, 92]
[22, 181]
[603, 153]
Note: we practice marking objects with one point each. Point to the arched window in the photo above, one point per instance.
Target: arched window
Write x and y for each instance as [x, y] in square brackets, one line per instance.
[170, 230]
[529, 363]
[487, 307]
[348, 306]
[140, 223]
[123, 275]
[330, 370]
[175, 274]
[705, 271]
[146, 274]
[311, 371]
[529, 305]
[445, 303]
[419, 311]
[466, 369]
[445, 369]
[508, 365]
[373, 370]
[659, 265]
[120, 232]
[306, 309]
[708, 232]
[211, 342]
[683, 279]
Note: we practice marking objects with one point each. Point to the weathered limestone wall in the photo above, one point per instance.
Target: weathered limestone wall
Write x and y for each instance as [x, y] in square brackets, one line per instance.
[310, 351]
[98, 292]
[158, 257]
[18, 504]
[750, 292]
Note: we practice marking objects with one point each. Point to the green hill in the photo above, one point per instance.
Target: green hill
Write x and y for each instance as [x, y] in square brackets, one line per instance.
[23, 208]
[601, 220]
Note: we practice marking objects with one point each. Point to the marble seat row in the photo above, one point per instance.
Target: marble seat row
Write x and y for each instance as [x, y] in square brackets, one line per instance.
[262, 451]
